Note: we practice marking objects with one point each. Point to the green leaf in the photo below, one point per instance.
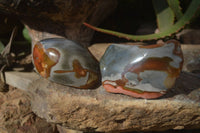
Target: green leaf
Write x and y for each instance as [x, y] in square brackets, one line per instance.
[175, 6]
[26, 34]
[164, 14]
[190, 12]
[1, 46]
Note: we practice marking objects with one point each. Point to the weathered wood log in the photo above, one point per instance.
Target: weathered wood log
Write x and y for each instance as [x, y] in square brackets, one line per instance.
[60, 17]
[98, 110]
[16, 115]
[191, 58]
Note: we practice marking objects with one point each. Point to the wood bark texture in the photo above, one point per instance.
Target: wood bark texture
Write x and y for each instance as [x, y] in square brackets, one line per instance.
[63, 18]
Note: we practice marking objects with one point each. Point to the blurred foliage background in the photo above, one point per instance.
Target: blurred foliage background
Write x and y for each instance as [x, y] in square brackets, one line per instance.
[20, 45]
[131, 16]
[138, 17]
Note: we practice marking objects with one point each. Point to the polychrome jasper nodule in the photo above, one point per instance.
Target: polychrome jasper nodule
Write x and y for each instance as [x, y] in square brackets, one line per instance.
[142, 71]
[66, 62]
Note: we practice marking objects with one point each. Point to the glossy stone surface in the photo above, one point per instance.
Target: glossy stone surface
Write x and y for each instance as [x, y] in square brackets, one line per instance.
[66, 62]
[141, 71]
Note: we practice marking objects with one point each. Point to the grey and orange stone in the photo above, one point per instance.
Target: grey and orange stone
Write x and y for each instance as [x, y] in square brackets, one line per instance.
[66, 62]
[142, 71]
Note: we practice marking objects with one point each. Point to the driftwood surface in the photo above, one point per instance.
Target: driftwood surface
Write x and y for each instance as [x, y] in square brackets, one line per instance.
[98, 110]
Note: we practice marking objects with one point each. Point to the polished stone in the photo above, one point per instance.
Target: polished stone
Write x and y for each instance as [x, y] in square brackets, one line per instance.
[66, 62]
[145, 71]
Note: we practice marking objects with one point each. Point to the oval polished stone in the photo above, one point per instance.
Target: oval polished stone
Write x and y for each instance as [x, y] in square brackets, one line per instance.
[66, 62]
[143, 71]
